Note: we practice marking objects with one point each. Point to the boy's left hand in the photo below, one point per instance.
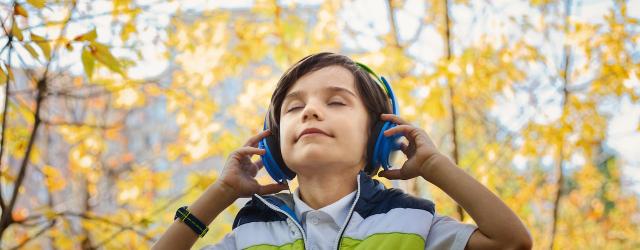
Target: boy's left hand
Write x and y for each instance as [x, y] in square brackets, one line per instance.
[418, 151]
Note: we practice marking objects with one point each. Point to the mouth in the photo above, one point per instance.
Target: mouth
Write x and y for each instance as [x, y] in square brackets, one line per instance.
[312, 132]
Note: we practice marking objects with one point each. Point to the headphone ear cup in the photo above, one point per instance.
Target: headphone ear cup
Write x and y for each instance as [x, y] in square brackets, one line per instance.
[384, 146]
[372, 163]
[277, 157]
[269, 163]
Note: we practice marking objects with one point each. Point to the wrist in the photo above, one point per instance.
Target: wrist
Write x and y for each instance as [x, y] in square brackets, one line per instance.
[224, 192]
[211, 203]
[430, 166]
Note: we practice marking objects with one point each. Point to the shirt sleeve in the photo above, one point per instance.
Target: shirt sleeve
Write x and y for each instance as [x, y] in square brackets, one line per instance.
[448, 233]
[227, 242]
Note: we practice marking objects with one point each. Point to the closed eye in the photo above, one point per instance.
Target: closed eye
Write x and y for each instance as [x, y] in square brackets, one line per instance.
[331, 103]
[292, 109]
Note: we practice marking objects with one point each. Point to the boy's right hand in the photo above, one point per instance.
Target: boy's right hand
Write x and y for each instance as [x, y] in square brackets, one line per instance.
[238, 175]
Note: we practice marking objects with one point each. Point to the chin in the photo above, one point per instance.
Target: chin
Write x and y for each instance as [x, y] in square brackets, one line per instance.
[312, 157]
[314, 154]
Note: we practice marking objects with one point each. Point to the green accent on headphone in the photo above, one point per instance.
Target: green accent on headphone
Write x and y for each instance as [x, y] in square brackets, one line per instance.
[370, 71]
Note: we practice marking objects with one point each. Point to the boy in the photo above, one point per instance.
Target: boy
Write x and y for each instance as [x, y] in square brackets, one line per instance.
[323, 116]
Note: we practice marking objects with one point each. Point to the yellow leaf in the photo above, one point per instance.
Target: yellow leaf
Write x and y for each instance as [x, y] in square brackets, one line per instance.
[104, 56]
[88, 61]
[89, 36]
[7, 177]
[19, 10]
[31, 50]
[433, 104]
[62, 241]
[10, 72]
[120, 4]
[53, 178]
[127, 29]
[3, 76]
[37, 3]
[145, 222]
[43, 44]
[15, 31]
[50, 214]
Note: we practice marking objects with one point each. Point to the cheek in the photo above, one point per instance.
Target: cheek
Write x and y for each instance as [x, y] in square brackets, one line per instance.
[356, 133]
[286, 134]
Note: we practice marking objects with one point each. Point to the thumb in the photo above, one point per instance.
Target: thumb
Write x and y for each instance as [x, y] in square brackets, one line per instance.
[272, 188]
[391, 174]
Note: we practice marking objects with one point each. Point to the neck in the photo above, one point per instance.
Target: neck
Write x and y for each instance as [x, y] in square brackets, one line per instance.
[321, 190]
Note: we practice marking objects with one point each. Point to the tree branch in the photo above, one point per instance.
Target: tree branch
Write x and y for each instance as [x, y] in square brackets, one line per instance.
[560, 153]
[4, 118]
[36, 235]
[115, 125]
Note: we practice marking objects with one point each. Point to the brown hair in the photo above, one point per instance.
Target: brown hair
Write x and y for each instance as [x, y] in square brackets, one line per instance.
[374, 98]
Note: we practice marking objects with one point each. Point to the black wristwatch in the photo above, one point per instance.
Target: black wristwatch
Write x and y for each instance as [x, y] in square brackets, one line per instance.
[194, 223]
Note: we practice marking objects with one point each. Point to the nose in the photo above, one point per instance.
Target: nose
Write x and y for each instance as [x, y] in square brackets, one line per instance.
[312, 111]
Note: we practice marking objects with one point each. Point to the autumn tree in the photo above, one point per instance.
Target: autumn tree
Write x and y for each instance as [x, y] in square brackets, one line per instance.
[98, 150]
[58, 174]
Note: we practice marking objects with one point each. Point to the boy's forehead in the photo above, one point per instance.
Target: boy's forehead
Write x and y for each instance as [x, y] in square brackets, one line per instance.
[328, 78]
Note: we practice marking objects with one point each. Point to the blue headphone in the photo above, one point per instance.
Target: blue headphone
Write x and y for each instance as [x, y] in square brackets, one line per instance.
[379, 148]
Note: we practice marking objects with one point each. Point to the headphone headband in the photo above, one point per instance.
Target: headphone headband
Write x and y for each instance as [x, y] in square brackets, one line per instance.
[370, 71]
[384, 85]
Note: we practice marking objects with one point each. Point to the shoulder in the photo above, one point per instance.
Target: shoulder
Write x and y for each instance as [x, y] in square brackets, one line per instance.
[256, 211]
[379, 200]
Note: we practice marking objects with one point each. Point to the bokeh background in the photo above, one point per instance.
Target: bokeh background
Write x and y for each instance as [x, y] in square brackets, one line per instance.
[115, 113]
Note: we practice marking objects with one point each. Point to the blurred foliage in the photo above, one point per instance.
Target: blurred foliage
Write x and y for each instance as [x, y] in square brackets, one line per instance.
[101, 157]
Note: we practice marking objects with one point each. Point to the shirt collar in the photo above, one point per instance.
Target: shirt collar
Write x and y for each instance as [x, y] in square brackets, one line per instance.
[338, 210]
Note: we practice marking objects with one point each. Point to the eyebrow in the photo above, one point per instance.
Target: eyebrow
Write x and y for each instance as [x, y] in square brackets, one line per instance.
[334, 89]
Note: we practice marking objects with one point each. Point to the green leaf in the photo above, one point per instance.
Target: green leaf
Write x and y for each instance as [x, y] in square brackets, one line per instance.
[37, 3]
[104, 56]
[43, 44]
[88, 61]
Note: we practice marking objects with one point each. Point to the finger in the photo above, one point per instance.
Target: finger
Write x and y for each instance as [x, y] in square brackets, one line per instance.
[405, 129]
[248, 151]
[258, 163]
[255, 167]
[404, 148]
[393, 118]
[392, 174]
[253, 141]
[272, 188]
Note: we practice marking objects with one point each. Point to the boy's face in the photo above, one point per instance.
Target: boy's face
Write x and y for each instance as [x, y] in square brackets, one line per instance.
[325, 99]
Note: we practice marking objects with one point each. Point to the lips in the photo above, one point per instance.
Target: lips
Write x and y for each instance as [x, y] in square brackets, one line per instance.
[312, 131]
